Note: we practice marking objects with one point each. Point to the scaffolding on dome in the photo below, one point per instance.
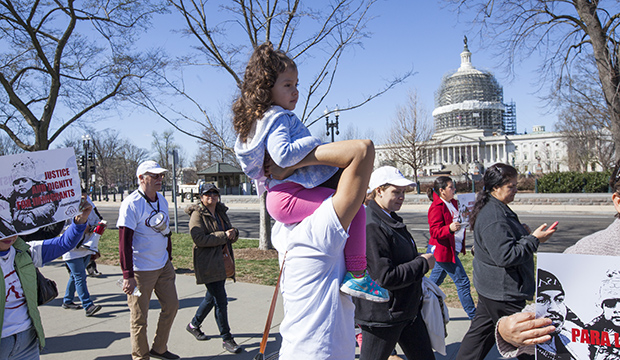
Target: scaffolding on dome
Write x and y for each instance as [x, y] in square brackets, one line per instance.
[469, 100]
[510, 118]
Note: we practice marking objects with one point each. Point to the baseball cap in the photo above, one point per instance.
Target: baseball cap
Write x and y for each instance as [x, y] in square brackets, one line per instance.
[209, 187]
[388, 175]
[149, 166]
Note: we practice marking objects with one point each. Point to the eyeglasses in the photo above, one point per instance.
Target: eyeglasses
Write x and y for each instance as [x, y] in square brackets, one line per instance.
[20, 181]
[155, 176]
[212, 193]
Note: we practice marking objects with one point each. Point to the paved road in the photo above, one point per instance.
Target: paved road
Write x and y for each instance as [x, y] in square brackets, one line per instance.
[572, 227]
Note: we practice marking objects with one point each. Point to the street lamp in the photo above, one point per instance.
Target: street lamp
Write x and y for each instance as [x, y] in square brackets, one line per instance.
[85, 140]
[332, 125]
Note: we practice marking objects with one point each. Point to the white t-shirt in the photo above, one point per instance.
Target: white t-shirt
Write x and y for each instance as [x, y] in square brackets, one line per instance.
[16, 317]
[318, 319]
[149, 245]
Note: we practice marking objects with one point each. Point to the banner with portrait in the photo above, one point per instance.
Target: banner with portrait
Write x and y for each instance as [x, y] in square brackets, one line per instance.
[38, 189]
[581, 295]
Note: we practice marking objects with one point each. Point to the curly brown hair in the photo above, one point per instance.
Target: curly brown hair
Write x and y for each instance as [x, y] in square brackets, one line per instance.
[261, 73]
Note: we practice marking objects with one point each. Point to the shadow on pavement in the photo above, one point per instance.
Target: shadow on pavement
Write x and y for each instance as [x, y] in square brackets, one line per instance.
[83, 341]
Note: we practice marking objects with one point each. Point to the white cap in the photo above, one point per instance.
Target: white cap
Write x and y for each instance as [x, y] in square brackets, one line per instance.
[149, 166]
[388, 175]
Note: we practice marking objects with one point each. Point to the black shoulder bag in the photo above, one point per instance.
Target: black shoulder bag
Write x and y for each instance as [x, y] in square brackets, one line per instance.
[46, 288]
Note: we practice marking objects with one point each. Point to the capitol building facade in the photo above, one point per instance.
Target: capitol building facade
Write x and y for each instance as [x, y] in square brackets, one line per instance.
[475, 129]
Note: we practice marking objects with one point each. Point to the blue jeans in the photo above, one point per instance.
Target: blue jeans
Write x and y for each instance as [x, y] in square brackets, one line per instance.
[77, 281]
[21, 346]
[459, 276]
[215, 296]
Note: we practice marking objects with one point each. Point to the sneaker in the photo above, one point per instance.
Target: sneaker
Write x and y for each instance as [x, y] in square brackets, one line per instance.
[92, 310]
[198, 334]
[71, 305]
[364, 288]
[231, 346]
[94, 273]
[165, 355]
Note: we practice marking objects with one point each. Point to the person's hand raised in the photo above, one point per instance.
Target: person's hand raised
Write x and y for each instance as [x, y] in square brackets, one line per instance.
[86, 209]
[542, 234]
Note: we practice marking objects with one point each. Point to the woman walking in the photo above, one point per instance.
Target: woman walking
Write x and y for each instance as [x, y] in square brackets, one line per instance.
[212, 232]
[447, 241]
[504, 262]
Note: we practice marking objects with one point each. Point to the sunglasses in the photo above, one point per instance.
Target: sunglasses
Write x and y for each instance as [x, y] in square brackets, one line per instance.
[155, 176]
[212, 193]
[20, 181]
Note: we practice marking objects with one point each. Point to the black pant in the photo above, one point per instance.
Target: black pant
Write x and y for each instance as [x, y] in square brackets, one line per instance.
[480, 337]
[412, 336]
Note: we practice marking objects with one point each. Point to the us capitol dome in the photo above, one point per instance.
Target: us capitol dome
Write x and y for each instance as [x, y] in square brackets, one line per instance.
[472, 99]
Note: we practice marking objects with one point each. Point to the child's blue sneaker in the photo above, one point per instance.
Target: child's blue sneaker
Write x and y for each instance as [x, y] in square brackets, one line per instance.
[363, 287]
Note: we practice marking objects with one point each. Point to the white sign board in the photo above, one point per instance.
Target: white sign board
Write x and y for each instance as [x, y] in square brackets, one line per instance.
[581, 295]
[37, 189]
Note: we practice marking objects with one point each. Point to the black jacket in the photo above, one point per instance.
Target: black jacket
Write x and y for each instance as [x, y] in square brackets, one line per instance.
[395, 264]
[504, 260]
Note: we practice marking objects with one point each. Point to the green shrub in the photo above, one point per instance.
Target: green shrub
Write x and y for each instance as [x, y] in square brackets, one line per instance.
[574, 182]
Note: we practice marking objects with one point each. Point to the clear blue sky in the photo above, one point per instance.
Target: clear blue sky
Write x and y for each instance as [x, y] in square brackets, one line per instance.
[405, 34]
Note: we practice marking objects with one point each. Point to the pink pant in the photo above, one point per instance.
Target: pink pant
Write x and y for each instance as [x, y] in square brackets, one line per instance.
[289, 203]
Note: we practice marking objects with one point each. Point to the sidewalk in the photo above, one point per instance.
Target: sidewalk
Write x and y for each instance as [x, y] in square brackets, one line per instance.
[72, 336]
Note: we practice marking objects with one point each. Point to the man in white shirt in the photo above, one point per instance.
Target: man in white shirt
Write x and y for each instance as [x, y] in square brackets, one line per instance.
[145, 253]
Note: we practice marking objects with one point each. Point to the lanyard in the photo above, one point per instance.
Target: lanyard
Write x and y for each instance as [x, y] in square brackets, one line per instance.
[148, 202]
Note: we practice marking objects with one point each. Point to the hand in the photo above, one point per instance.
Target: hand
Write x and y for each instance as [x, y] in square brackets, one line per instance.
[455, 226]
[129, 285]
[230, 234]
[89, 229]
[86, 209]
[275, 172]
[527, 228]
[430, 258]
[543, 235]
[523, 328]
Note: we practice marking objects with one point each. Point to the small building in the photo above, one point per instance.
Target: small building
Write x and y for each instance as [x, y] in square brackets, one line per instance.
[228, 178]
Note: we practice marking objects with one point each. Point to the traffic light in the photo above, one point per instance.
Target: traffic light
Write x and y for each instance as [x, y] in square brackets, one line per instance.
[82, 160]
[91, 157]
[93, 169]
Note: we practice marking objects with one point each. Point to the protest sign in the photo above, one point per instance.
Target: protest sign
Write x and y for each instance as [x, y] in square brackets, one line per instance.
[466, 205]
[38, 189]
[581, 295]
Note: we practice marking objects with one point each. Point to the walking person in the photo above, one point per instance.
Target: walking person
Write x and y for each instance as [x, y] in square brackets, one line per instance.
[145, 249]
[504, 262]
[448, 241]
[393, 260]
[21, 330]
[76, 260]
[213, 236]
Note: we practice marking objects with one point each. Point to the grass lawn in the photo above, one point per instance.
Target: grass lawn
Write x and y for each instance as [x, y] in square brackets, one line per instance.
[252, 265]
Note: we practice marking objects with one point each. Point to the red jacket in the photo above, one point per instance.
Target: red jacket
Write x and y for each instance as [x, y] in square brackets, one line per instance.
[439, 220]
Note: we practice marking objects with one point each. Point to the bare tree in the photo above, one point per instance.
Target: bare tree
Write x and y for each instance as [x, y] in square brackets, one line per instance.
[316, 35]
[87, 47]
[408, 139]
[585, 120]
[566, 32]
[163, 144]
